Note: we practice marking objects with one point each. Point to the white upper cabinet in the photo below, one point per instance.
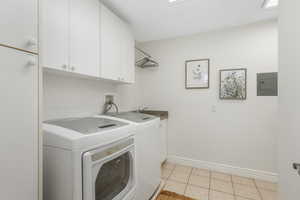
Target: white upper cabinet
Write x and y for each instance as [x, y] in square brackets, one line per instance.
[18, 22]
[54, 35]
[70, 36]
[128, 55]
[84, 36]
[117, 48]
[110, 40]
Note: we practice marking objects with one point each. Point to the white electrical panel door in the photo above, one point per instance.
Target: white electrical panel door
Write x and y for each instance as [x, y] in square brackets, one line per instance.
[84, 36]
[19, 125]
[18, 22]
[54, 29]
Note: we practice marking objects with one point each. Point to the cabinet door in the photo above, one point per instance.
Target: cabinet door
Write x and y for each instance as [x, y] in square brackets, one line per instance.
[110, 45]
[19, 125]
[18, 24]
[163, 134]
[84, 37]
[54, 29]
[128, 55]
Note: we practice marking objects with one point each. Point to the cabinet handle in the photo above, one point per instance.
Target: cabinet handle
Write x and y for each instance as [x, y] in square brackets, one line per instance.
[32, 42]
[73, 68]
[31, 62]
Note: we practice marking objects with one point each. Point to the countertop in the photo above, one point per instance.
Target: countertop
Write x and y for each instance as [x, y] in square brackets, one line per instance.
[158, 113]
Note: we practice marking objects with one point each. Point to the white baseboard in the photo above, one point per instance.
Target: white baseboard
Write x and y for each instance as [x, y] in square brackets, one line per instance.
[257, 174]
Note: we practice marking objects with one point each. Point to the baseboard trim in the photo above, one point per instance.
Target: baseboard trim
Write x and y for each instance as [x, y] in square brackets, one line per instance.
[258, 174]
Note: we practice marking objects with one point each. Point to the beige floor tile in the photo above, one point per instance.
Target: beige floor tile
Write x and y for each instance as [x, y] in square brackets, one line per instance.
[168, 165]
[183, 169]
[165, 173]
[266, 185]
[268, 194]
[176, 187]
[240, 198]
[221, 176]
[246, 191]
[196, 193]
[200, 181]
[243, 180]
[179, 176]
[214, 195]
[221, 186]
[201, 172]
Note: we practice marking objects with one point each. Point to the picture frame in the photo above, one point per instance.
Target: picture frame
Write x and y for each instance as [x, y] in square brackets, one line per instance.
[233, 84]
[197, 74]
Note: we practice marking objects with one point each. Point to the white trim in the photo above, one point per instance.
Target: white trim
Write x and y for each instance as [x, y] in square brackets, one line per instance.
[257, 174]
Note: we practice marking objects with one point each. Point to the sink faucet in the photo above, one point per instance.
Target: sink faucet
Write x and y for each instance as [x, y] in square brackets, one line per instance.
[108, 105]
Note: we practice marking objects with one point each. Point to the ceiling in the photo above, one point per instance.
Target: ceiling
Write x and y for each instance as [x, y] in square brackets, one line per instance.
[159, 19]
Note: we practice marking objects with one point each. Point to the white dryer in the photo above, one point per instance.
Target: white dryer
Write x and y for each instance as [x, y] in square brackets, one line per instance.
[147, 151]
[89, 159]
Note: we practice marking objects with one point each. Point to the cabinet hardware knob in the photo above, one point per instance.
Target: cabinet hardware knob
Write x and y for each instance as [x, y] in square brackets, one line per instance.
[31, 62]
[32, 42]
[73, 68]
[64, 66]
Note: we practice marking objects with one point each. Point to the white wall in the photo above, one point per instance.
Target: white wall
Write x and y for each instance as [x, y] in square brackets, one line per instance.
[66, 96]
[289, 68]
[239, 133]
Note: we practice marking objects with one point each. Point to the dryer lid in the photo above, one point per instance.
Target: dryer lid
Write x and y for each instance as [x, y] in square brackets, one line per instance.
[133, 116]
[87, 125]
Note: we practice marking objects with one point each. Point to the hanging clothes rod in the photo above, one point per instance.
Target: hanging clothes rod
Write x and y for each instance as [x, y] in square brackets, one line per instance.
[143, 52]
[146, 61]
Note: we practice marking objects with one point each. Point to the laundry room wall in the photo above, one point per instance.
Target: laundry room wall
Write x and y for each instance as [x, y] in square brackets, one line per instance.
[67, 96]
[240, 135]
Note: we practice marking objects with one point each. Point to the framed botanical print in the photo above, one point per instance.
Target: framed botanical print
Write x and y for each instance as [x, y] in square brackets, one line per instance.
[233, 84]
[197, 74]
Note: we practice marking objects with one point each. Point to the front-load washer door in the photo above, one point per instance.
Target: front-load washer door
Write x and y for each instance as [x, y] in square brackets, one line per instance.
[109, 173]
[113, 177]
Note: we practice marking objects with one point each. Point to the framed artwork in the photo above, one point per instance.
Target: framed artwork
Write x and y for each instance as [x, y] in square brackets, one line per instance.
[233, 84]
[197, 74]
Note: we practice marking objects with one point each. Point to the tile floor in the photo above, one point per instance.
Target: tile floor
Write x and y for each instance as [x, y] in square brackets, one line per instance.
[203, 184]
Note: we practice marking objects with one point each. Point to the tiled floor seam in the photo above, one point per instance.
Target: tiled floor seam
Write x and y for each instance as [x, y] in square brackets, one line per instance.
[260, 195]
[187, 183]
[209, 186]
[233, 190]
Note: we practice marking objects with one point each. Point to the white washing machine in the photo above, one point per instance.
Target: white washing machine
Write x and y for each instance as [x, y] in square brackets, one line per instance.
[89, 159]
[147, 151]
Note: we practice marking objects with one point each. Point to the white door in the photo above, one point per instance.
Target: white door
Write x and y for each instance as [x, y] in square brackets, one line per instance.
[128, 55]
[289, 98]
[84, 36]
[54, 34]
[19, 125]
[18, 22]
[110, 45]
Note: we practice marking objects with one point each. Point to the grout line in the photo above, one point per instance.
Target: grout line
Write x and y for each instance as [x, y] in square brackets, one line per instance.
[259, 193]
[209, 187]
[232, 184]
[188, 181]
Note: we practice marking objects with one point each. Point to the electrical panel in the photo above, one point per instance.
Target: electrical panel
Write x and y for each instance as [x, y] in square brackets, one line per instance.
[267, 84]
